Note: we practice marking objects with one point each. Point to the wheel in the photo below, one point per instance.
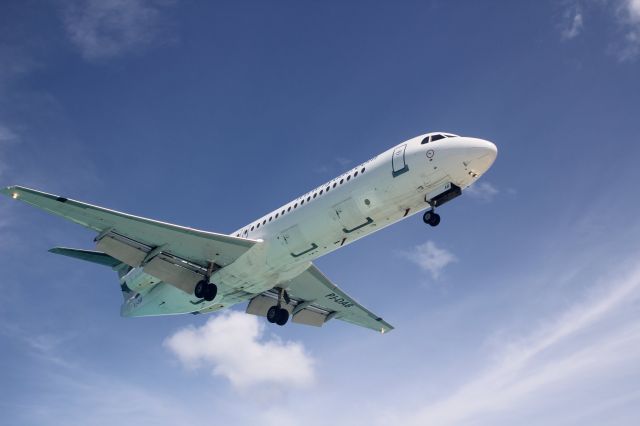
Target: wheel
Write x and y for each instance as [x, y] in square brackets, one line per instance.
[200, 289]
[431, 218]
[272, 314]
[210, 292]
[283, 317]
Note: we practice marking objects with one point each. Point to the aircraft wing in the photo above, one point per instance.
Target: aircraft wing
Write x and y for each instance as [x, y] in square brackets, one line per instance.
[314, 300]
[175, 254]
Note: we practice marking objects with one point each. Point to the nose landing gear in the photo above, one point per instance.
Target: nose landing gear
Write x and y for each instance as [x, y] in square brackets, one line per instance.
[431, 218]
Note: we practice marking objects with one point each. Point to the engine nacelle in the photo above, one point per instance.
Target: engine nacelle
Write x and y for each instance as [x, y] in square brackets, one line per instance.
[137, 280]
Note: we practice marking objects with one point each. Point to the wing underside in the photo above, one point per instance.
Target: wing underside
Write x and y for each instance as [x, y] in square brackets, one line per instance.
[176, 254]
[314, 300]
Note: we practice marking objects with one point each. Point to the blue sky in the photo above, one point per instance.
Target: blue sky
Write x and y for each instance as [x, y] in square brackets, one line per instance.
[521, 307]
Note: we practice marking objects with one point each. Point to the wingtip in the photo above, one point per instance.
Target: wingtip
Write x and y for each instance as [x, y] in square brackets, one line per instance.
[10, 191]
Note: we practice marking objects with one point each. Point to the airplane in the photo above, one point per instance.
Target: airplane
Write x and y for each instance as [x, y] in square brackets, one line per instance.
[167, 269]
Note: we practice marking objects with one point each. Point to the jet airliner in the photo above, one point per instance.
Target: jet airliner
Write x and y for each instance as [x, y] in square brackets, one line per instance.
[167, 269]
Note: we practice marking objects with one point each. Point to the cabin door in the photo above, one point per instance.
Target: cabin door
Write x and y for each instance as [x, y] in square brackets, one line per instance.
[398, 164]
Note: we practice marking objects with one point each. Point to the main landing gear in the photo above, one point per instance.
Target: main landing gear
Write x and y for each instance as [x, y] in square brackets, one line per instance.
[430, 217]
[205, 289]
[277, 314]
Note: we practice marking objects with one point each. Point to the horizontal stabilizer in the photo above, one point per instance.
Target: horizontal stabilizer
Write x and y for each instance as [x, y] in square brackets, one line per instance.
[88, 255]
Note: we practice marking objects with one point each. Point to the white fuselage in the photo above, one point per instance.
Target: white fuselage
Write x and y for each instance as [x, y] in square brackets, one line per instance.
[391, 186]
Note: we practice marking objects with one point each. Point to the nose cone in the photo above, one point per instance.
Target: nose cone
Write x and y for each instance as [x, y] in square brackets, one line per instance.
[483, 154]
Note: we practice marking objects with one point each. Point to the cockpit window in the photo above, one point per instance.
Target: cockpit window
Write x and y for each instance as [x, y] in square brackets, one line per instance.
[436, 137]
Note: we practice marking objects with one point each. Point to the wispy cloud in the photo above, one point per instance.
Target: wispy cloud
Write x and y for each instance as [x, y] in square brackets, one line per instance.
[630, 20]
[573, 22]
[233, 346]
[430, 258]
[587, 339]
[483, 191]
[106, 28]
[626, 15]
[7, 137]
[74, 393]
[337, 165]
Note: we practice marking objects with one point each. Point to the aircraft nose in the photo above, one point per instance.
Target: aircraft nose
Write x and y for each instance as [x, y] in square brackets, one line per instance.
[483, 154]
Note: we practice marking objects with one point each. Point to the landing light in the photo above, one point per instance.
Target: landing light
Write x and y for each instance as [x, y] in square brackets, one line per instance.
[14, 195]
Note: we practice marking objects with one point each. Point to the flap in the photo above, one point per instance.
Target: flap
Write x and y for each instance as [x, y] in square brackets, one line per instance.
[316, 300]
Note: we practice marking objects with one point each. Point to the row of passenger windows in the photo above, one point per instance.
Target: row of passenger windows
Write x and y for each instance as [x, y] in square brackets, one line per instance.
[302, 200]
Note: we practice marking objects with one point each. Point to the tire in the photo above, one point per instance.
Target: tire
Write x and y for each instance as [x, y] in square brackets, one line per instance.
[199, 291]
[272, 314]
[210, 292]
[283, 317]
[427, 217]
[436, 219]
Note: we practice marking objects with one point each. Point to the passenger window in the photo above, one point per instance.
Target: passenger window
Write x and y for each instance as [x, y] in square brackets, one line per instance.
[341, 180]
[348, 177]
[277, 215]
[355, 174]
[264, 221]
[252, 228]
[295, 205]
[321, 191]
[289, 209]
[363, 170]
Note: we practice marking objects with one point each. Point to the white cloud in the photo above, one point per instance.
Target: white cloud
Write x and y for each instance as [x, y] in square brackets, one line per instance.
[626, 13]
[6, 135]
[630, 21]
[234, 347]
[431, 258]
[574, 24]
[482, 191]
[589, 339]
[107, 28]
[633, 7]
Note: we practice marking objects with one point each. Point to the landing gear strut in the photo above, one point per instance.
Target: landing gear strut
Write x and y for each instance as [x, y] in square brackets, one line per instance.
[204, 289]
[430, 217]
[277, 314]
